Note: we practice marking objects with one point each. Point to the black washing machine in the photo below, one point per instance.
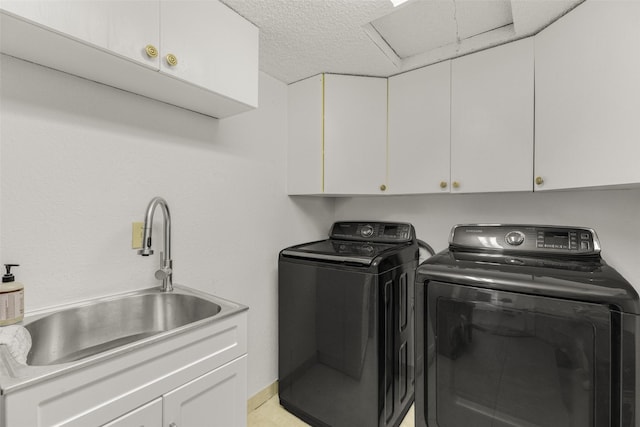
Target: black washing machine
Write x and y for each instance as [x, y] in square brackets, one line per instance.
[346, 325]
[524, 325]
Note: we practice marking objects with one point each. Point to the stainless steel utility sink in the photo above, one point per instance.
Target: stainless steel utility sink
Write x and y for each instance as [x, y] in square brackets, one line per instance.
[79, 332]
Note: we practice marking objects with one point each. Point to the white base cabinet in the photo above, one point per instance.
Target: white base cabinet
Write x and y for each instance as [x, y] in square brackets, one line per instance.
[149, 415]
[588, 98]
[192, 377]
[128, 45]
[216, 399]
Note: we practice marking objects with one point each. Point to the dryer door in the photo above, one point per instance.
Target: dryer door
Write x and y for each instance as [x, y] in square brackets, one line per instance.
[503, 359]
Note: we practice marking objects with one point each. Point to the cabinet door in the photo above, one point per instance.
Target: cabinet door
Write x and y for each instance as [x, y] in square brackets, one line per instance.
[120, 27]
[219, 397]
[588, 97]
[305, 139]
[215, 47]
[355, 134]
[149, 415]
[492, 119]
[419, 130]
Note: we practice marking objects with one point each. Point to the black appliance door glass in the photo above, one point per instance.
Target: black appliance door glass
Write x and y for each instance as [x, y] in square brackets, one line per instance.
[502, 359]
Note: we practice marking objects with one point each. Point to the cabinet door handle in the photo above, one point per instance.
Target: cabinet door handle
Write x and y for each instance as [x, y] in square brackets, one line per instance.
[151, 50]
[171, 60]
[383, 187]
[456, 184]
[539, 180]
[443, 184]
[173, 425]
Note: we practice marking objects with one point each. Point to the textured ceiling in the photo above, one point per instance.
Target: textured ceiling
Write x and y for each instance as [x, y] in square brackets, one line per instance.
[301, 38]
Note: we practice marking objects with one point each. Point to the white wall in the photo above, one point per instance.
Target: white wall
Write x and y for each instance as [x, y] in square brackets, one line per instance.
[614, 214]
[80, 162]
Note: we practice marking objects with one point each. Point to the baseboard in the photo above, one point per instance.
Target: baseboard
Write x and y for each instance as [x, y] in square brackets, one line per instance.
[262, 396]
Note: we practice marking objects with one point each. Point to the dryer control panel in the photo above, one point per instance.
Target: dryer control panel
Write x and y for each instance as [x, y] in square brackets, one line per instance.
[382, 232]
[526, 238]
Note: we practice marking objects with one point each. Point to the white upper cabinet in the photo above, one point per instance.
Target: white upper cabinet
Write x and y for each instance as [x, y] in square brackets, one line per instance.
[355, 134]
[198, 55]
[588, 98]
[123, 28]
[492, 119]
[305, 160]
[419, 130]
[214, 47]
[337, 135]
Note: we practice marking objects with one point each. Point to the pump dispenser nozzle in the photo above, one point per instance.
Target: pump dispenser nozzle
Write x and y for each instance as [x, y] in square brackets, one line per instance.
[9, 277]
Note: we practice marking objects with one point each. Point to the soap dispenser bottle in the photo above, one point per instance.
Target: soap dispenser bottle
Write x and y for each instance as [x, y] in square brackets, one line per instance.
[11, 298]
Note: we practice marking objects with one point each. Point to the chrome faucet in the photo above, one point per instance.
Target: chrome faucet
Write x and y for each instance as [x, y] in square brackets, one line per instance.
[165, 273]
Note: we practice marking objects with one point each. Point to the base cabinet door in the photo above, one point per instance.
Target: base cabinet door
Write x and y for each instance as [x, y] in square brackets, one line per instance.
[216, 399]
[149, 415]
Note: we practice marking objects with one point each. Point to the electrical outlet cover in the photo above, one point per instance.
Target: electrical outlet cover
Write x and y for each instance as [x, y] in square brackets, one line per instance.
[137, 233]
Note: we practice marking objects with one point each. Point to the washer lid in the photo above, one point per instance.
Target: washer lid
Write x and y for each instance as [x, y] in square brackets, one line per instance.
[345, 251]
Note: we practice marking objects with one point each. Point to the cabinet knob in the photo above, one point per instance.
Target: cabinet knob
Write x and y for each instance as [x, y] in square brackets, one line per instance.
[151, 50]
[455, 184]
[173, 425]
[539, 180]
[383, 187]
[171, 60]
[443, 184]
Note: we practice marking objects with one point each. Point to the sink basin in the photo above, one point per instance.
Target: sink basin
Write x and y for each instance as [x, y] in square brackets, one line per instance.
[79, 332]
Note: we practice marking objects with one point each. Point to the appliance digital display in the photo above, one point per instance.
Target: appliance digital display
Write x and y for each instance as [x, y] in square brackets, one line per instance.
[390, 230]
[556, 238]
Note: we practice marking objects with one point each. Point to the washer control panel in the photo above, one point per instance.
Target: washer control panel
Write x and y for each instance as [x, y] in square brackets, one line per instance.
[391, 232]
[526, 238]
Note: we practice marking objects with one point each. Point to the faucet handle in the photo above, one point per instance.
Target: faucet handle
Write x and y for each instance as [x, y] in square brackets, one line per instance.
[166, 268]
[163, 273]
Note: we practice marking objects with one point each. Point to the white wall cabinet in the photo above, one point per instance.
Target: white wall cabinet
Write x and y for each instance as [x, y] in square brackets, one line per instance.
[464, 126]
[588, 98]
[216, 48]
[492, 119]
[215, 71]
[124, 28]
[419, 130]
[198, 374]
[337, 135]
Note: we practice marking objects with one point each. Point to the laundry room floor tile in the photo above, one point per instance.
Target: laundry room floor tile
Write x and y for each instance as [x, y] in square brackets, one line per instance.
[271, 414]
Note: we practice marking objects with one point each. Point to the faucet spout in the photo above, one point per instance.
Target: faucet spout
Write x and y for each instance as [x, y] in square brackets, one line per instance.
[165, 273]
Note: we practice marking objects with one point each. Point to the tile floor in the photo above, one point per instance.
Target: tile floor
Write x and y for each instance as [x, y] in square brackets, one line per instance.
[271, 414]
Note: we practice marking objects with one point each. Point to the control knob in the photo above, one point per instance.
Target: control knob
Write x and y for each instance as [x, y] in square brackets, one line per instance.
[366, 231]
[514, 238]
